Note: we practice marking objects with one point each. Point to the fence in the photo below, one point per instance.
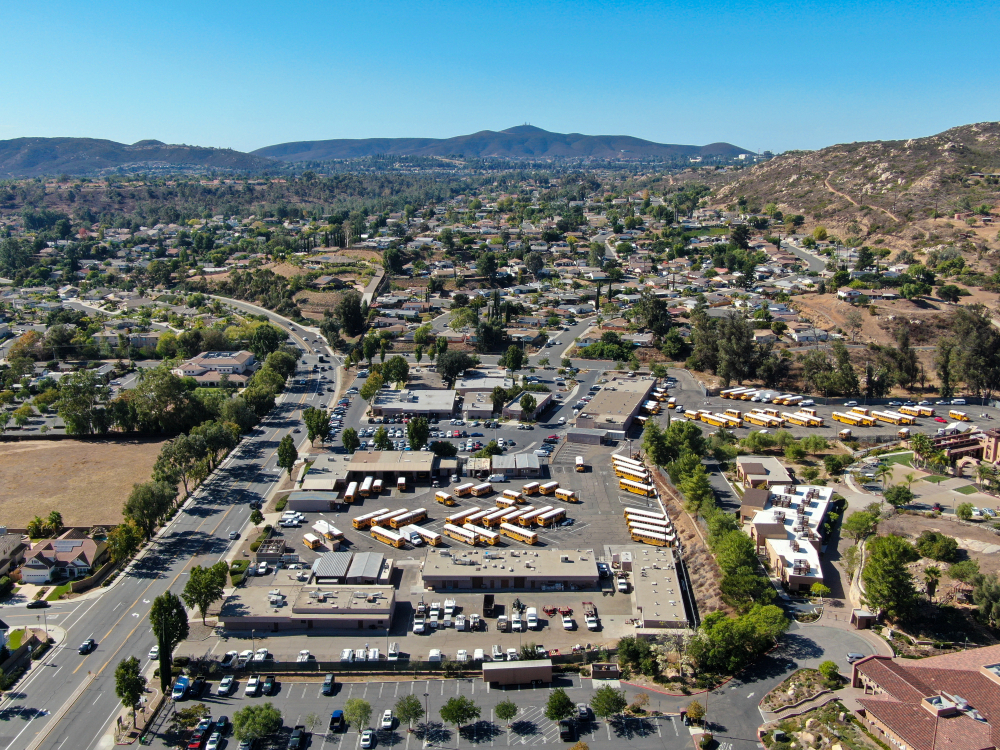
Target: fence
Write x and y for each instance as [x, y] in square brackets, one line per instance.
[85, 584]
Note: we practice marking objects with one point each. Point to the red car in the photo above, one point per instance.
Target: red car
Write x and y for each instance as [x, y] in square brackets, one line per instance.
[939, 419]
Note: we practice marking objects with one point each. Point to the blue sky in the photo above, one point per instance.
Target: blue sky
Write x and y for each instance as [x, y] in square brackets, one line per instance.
[777, 75]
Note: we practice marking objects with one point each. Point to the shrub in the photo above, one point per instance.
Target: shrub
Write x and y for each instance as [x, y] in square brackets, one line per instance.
[937, 546]
[254, 546]
[281, 504]
[181, 661]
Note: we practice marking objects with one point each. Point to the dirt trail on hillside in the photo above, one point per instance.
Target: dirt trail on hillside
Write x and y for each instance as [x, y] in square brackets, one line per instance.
[853, 202]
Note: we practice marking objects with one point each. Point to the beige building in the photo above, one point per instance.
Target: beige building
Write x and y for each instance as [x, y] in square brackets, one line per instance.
[616, 405]
[509, 569]
[761, 471]
[209, 367]
[789, 530]
[271, 607]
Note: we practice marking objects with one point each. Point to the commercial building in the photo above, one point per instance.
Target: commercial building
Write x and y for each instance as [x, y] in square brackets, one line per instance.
[660, 598]
[209, 367]
[754, 500]
[369, 568]
[517, 465]
[271, 607]
[433, 404]
[477, 381]
[585, 436]
[761, 471]
[331, 568]
[326, 474]
[616, 406]
[510, 569]
[938, 703]
[414, 466]
[789, 530]
[513, 409]
[312, 502]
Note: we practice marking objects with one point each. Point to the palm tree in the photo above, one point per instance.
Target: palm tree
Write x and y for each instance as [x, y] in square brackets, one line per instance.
[985, 473]
[932, 575]
[35, 527]
[884, 473]
[939, 461]
[909, 479]
[922, 446]
[54, 522]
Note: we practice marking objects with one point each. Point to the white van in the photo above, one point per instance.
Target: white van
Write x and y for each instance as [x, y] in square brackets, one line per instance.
[347, 655]
[497, 478]
[958, 401]
[434, 655]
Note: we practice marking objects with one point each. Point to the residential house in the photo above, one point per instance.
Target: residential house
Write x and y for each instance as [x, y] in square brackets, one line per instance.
[12, 549]
[70, 556]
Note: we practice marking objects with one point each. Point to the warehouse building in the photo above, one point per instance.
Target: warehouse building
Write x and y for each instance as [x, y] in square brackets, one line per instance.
[331, 568]
[268, 606]
[510, 570]
[414, 466]
[517, 465]
[615, 407]
[369, 568]
[433, 404]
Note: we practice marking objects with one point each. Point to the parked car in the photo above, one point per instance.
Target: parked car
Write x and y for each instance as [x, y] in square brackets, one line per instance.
[368, 739]
[567, 730]
[853, 657]
[270, 684]
[225, 685]
[253, 685]
[329, 682]
[337, 723]
[387, 719]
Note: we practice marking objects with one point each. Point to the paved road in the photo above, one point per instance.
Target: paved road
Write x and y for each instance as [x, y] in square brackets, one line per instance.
[117, 619]
[812, 262]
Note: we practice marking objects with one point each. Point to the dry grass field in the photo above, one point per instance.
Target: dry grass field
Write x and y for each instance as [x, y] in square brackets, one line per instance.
[85, 481]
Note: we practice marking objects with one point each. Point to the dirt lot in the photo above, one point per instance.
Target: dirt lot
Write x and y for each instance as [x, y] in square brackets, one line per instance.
[85, 481]
[978, 542]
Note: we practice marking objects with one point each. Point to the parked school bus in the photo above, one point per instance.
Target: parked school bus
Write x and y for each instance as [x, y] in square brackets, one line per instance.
[649, 537]
[925, 411]
[795, 419]
[311, 541]
[463, 489]
[530, 488]
[431, 537]
[618, 458]
[643, 513]
[526, 519]
[734, 413]
[851, 419]
[903, 433]
[549, 487]
[482, 489]
[444, 498]
[553, 516]
[961, 416]
[363, 522]
[460, 534]
[351, 492]
[692, 415]
[459, 517]
[377, 487]
[792, 400]
[913, 411]
[366, 486]
[514, 495]
[388, 537]
[521, 535]
[493, 519]
[636, 488]
[401, 484]
[731, 392]
[415, 515]
[761, 420]
[386, 518]
[627, 472]
[478, 516]
[664, 525]
[671, 403]
[505, 502]
[580, 466]
[709, 418]
[511, 515]
[567, 496]
[860, 410]
[490, 537]
[811, 418]
[844, 434]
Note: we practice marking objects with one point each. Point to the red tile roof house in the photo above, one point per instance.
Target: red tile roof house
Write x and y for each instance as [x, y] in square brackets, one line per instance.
[949, 702]
[69, 556]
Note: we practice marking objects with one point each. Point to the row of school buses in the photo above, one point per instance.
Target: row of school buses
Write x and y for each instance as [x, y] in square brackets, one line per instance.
[369, 487]
[646, 526]
[763, 417]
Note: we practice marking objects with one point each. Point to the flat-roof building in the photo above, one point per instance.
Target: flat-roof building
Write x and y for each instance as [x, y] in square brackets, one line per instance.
[510, 569]
[366, 568]
[517, 465]
[430, 403]
[331, 568]
[271, 607]
[761, 471]
[312, 502]
[616, 406]
[391, 465]
[660, 598]
[789, 530]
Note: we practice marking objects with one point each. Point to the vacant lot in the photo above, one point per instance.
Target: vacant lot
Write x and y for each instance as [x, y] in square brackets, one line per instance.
[85, 481]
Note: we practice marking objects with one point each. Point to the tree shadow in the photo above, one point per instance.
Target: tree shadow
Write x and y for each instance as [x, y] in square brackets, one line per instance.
[434, 732]
[524, 728]
[481, 731]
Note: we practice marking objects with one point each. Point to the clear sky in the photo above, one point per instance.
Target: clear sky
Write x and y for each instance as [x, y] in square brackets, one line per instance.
[777, 75]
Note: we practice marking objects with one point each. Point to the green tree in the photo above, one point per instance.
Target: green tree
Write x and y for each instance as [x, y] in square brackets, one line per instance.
[819, 590]
[358, 713]
[265, 339]
[396, 370]
[36, 527]
[898, 495]
[964, 511]
[409, 709]
[349, 313]
[124, 541]
[506, 710]
[417, 431]
[147, 504]
[287, 454]
[317, 424]
[54, 522]
[528, 406]
[559, 705]
[80, 404]
[695, 712]
[350, 439]
[169, 621]
[204, 587]
[382, 440]
[513, 358]
[371, 387]
[830, 671]
[860, 525]
[608, 702]
[178, 459]
[937, 546]
[697, 489]
[256, 722]
[256, 518]
[451, 364]
[888, 583]
[129, 683]
[459, 711]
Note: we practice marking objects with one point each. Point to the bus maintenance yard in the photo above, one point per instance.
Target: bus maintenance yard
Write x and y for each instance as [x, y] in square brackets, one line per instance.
[691, 399]
[277, 607]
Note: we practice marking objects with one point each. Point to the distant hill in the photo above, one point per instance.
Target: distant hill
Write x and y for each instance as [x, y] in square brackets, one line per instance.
[523, 141]
[886, 188]
[33, 157]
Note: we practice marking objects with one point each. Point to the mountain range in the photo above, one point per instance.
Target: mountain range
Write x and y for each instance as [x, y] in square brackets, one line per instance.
[34, 157]
[523, 141]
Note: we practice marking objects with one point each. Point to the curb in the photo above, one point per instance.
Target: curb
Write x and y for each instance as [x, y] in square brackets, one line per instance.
[63, 710]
